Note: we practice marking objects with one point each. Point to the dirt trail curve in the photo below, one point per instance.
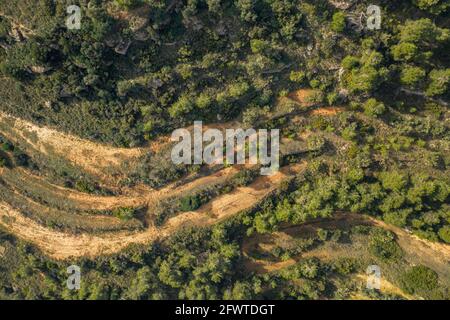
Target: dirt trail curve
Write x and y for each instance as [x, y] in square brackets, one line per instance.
[63, 246]
[26, 182]
[93, 157]
[100, 160]
[436, 255]
[21, 179]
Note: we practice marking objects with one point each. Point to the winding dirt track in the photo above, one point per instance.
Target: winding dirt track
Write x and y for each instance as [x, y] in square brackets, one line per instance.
[64, 246]
[26, 182]
[100, 160]
[92, 157]
[435, 255]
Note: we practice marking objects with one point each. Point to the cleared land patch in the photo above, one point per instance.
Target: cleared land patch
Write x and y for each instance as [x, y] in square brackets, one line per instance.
[435, 255]
[60, 245]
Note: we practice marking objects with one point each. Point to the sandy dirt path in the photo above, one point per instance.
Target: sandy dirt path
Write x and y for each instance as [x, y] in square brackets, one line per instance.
[59, 245]
[90, 156]
[24, 181]
[435, 255]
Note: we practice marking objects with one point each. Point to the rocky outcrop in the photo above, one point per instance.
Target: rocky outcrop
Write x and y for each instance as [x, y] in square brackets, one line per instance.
[39, 69]
[122, 47]
[343, 5]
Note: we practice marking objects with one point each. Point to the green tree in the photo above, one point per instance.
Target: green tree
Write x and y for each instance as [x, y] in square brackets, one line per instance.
[393, 180]
[419, 280]
[404, 51]
[338, 22]
[439, 82]
[374, 108]
[412, 76]
[140, 285]
[422, 32]
[444, 233]
[258, 46]
[433, 6]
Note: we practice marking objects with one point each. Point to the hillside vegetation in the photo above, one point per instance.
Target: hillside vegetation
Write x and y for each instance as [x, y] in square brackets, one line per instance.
[86, 176]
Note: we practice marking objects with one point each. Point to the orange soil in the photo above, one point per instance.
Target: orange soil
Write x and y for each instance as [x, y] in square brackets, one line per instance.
[327, 111]
[63, 246]
[301, 96]
[426, 252]
[93, 157]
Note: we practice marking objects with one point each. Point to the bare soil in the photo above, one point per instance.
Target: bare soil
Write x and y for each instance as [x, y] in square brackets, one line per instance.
[63, 246]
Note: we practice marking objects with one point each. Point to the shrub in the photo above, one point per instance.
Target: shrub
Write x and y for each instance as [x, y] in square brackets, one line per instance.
[20, 158]
[444, 233]
[190, 203]
[297, 76]
[374, 108]
[350, 62]
[125, 213]
[344, 265]
[244, 177]
[3, 161]
[419, 280]
[383, 245]
[412, 76]
[338, 22]
[322, 234]
[84, 186]
[7, 146]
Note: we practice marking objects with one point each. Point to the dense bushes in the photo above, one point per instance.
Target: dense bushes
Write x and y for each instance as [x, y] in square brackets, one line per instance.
[419, 280]
[382, 244]
[190, 203]
[414, 201]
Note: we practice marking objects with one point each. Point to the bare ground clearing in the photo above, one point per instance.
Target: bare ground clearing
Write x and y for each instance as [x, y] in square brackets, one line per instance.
[63, 246]
[434, 255]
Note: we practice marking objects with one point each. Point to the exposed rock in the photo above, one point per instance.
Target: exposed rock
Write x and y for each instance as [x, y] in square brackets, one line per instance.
[39, 69]
[141, 35]
[343, 93]
[4, 45]
[17, 35]
[156, 83]
[122, 47]
[221, 29]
